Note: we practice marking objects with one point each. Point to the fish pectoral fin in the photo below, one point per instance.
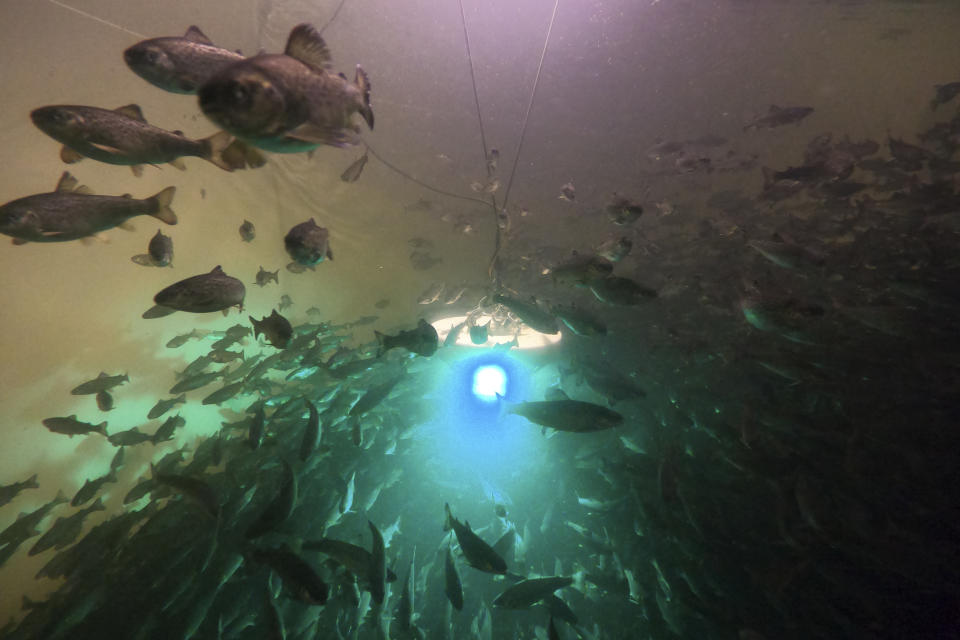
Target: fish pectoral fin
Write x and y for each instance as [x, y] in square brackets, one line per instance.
[177, 163]
[311, 133]
[126, 225]
[131, 111]
[69, 156]
[137, 170]
[20, 241]
[307, 45]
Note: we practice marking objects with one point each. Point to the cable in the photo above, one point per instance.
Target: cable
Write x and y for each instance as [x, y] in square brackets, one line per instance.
[423, 184]
[526, 117]
[334, 16]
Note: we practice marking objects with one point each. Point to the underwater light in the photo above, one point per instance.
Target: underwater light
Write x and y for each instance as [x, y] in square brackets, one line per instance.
[526, 338]
[489, 381]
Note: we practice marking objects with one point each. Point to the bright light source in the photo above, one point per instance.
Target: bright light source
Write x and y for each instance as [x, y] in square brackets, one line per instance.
[489, 382]
[527, 338]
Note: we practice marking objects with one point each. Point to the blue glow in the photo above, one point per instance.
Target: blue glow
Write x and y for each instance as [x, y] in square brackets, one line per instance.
[489, 381]
[472, 433]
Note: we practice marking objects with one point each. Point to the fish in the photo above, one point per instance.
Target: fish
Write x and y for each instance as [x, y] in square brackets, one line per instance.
[526, 593]
[65, 530]
[311, 434]
[579, 321]
[352, 173]
[285, 302]
[290, 102]
[276, 329]
[123, 136]
[257, 424]
[580, 270]
[786, 254]
[129, 438]
[778, 117]
[224, 393]
[378, 565]
[615, 249]
[354, 558]
[247, 231]
[182, 339]
[308, 244]
[163, 406]
[623, 211]
[479, 334]
[944, 94]
[165, 431]
[423, 340]
[279, 508]
[71, 213]
[25, 526]
[299, 578]
[568, 192]
[432, 293]
[264, 277]
[574, 416]
[72, 427]
[204, 293]
[159, 252]
[104, 401]
[223, 356]
[179, 64]
[530, 314]
[452, 585]
[197, 490]
[621, 291]
[92, 486]
[406, 605]
[102, 382]
[478, 553]
[10, 491]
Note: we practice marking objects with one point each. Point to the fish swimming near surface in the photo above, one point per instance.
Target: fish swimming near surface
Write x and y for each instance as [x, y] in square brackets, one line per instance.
[159, 252]
[247, 231]
[102, 382]
[778, 117]
[204, 293]
[71, 212]
[123, 136]
[275, 328]
[530, 314]
[264, 277]
[308, 244]
[72, 427]
[179, 64]
[423, 340]
[289, 102]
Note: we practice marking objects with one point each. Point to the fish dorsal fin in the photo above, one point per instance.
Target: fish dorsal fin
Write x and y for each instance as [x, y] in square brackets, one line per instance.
[103, 374]
[216, 269]
[67, 182]
[131, 111]
[194, 34]
[306, 45]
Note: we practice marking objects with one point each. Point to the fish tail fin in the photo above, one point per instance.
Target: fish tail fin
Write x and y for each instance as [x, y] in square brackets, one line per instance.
[362, 80]
[164, 199]
[213, 148]
[448, 520]
[102, 428]
[31, 483]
